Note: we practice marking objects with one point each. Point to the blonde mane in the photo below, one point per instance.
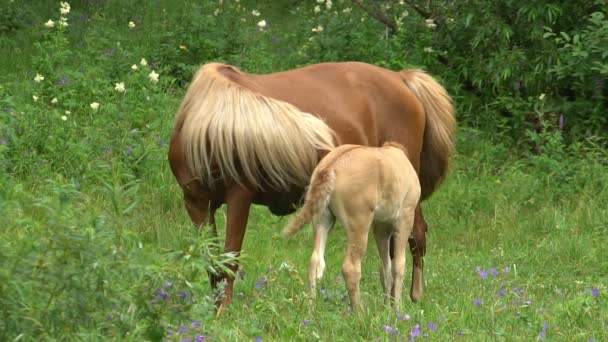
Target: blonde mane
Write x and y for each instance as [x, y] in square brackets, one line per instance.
[232, 132]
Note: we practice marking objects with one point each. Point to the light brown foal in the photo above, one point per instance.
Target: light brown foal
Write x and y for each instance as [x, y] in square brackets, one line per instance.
[363, 187]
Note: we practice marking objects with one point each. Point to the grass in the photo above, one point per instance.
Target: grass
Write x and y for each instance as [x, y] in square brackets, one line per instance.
[95, 243]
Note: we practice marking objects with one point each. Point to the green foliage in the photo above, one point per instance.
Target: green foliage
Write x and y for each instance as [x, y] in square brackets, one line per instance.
[95, 243]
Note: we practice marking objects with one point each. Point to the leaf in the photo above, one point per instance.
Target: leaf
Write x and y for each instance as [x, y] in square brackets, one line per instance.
[467, 21]
[565, 35]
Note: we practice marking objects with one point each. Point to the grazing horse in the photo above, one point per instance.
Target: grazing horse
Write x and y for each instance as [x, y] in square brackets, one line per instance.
[244, 139]
[363, 187]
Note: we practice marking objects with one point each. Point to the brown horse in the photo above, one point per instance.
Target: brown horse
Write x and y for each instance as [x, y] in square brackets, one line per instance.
[244, 139]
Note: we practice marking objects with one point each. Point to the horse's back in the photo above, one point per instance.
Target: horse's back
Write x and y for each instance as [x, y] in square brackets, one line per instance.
[363, 103]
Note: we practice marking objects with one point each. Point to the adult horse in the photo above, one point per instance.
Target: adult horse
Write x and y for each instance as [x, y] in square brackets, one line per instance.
[244, 139]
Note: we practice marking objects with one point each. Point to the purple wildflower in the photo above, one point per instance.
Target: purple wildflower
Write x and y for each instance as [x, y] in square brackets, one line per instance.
[260, 283]
[196, 324]
[63, 80]
[187, 339]
[494, 272]
[478, 302]
[483, 274]
[400, 316]
[129, 150]
[391, 330]
[415, 332]
[460, 333]
[182, 330]
[200, 338]
[433, 326]
[501, 292]
[507, 269]
[561, 121]
[107, 149]
[182, 295]
[595, 292]
[276, 39]
[306, 322]
[324, 292]
[258, 339]
[168, 285]
[162, 294]
[543, 332]
[3, 141]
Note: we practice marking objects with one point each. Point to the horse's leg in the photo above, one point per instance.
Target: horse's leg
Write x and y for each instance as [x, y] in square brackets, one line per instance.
[382, 236]
[321, 225]
[418, 248]
[402, 230]
[238, 200]
[357, 229]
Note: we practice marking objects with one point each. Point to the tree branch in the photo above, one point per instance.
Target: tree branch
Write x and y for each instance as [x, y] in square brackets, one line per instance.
[376, 12]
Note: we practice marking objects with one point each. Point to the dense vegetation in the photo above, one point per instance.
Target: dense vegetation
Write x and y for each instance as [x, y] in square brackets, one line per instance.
[95, 243]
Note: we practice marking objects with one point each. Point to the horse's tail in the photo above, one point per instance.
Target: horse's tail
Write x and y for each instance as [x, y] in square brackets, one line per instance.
[317, 200]
[438, 143]
[230, 131]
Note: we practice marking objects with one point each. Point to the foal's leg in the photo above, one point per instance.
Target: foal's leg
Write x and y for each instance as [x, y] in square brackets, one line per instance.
[418, 248]
[382, 236]
[402, 231]
[321, 227]
[357, 229]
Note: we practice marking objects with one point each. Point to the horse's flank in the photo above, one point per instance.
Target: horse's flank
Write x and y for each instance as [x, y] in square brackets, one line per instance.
[232, 132]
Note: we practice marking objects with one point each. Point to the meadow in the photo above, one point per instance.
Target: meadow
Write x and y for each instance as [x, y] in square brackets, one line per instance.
[95, 243]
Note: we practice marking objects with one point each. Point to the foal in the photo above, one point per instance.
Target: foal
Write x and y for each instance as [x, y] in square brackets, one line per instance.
[362, 187]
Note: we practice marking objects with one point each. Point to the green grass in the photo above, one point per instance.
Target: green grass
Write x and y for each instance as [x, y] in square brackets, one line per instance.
[95, 243]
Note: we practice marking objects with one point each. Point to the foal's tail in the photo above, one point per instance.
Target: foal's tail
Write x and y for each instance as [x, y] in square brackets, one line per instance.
[438, 144]
[317, 199]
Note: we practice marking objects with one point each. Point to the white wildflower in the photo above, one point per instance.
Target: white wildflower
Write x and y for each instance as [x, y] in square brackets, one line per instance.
[67, 112]
[54, 100]
[64, 118]
[320, 1]
[328, 4]
[262, 23]
[65, 8]
[63, 22]
[216, 12]
[134, 67]
[542, 96]
[401, 2]
[318, 29]
[153, 76]
[143, 62]
[131, 24]
[405, 13]
[94, 106]
[347, 10]
[39, 78]
[428, 49]
[317, 9]
[35, 98]
[255, 13]
[120, 87]
[49, 24]
[430, 23]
